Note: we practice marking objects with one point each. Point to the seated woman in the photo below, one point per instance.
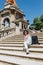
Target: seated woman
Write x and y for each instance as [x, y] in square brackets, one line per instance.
[27, 41]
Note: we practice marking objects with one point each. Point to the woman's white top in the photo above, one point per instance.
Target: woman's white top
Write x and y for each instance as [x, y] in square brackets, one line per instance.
[28, 39]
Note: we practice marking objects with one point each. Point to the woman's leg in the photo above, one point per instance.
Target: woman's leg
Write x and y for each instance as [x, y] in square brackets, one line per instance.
[26, 47]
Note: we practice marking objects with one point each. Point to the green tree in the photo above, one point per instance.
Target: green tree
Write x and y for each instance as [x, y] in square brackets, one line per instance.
[38, 23]
[41, 18]
[35, 20]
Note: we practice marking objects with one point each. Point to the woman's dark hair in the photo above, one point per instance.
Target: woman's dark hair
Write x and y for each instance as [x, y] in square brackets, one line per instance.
[24, 32]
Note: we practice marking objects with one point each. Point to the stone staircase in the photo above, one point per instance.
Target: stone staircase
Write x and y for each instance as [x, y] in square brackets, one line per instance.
[11, 51]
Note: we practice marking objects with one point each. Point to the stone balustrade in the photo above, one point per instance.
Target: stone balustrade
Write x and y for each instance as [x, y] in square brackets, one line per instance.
[6, 31]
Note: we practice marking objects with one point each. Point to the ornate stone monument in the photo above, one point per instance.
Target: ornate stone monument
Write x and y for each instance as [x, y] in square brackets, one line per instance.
[11, 1]
[12, 16]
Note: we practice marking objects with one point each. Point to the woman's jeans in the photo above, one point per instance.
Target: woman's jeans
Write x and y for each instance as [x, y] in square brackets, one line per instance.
[26, 45]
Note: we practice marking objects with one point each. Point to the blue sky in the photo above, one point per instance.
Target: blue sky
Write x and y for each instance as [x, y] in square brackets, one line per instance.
[31, 8]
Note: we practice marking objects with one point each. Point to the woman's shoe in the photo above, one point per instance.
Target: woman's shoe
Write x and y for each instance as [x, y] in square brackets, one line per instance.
[27, 52]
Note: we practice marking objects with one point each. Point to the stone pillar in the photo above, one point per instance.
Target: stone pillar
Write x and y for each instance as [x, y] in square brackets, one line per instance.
[20, 25]
[12, 21]
[28, 26]
[0, 21]
[13, 25]
[2, 24]
[23, 26]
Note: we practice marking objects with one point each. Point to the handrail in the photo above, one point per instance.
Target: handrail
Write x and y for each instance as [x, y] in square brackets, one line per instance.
[6, 30]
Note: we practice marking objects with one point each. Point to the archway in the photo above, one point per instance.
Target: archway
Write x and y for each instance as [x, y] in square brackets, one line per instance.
[6, 22]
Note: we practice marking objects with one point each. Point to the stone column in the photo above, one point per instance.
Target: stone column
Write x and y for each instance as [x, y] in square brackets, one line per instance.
[23, 26]
[20, 25]
[12, 25]
[2, 24]
[0, 21]
[12, 21]
[28, 26]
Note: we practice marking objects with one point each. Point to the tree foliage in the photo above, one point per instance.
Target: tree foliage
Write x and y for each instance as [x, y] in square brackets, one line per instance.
[41, 18]
[38, 23]
[35, 20]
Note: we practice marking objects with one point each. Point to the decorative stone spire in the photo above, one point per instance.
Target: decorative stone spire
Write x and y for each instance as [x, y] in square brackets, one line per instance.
[11, 1]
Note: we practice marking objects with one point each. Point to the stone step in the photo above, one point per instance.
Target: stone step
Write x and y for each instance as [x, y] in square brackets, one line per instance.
[19, 60]
[40, 37]
[38, 50]
[14, 38]
[18, 40]
[21, 37]
[36, 56]
[8, 42]
[11, 42]
[37, 46]
[41, 42]
[21, 45]
[17, 51]
[40, 34]
[4, 63]
[11, 45]
[12, 52]
[12, 48]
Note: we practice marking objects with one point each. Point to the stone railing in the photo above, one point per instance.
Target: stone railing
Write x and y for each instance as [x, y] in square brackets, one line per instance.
[6, 31]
